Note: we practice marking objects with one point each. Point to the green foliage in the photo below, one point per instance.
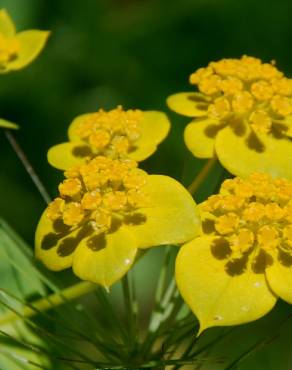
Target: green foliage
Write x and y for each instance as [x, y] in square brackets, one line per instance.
[19, 278]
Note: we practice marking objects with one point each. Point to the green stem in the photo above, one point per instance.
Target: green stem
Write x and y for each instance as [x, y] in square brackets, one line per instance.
[198, 180]
[161, 285]
[49, 302]
[134, 304]
[186, 351]
[158, 317]
[129, 310]
[102, 297]
[27, 165]
[166, 307]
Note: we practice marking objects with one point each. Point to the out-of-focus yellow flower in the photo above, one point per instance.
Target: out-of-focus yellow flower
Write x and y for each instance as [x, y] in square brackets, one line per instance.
[106, 211]
[117, 133]
[17, 50]
[235, 271]
[243, 114]
[7, 124]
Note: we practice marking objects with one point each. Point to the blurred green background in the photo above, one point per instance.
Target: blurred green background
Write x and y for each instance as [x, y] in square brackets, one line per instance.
[132, 52]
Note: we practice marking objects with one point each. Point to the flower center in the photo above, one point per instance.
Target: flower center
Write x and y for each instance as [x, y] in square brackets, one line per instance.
[247, 88]
[253, 214]
[99, 192]
[9, 48]
[111, 133]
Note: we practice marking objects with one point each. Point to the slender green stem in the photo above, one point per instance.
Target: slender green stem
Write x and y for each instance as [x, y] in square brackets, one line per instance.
[259, 345]
[161, 285]
[102, 297]
[134, 304]
[212, 343]
[129, 310]
[27, 165]
[49, 302]
[198, 180]
[165, 308]
[186, 351]
[158, 318]
[159, 364]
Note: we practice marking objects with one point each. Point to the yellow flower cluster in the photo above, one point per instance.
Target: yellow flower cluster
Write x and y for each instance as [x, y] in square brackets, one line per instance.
[112, 133]
[256, 212]
[108, 208]
[99, 192]
[117, 133]
[243, 104]
[245, 86]
[234, 272]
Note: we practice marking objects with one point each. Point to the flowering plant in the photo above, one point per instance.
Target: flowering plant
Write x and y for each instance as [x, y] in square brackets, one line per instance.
[226, 260]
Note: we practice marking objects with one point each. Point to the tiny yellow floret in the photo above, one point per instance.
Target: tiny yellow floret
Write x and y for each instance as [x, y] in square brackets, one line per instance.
[281, 105]
[73, 214]
[55, 209]
[242, 102]
[227, 223]
[70, 187]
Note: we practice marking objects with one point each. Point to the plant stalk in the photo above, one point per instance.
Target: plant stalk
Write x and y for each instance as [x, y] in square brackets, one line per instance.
[49, 302]
[130, 311]
[27, 165]
[198, 180]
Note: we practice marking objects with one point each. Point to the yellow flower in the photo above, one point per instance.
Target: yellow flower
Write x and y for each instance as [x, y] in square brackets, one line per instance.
[242, 262]
[117, 133]
[17, 50]
[7, 124]
[243, 115]
[106, 211]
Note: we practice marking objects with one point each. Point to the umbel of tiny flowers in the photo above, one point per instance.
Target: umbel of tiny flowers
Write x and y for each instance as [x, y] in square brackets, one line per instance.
[17, 50]
[242, 114]
[107, 210]
[116, 133]
[236, 269]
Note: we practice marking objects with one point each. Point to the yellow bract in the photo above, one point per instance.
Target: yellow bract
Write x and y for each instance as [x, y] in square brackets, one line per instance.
[106, 211]
[7, 124]
[243, 114]
[17, 50]
[234, 272]
[116, 134]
